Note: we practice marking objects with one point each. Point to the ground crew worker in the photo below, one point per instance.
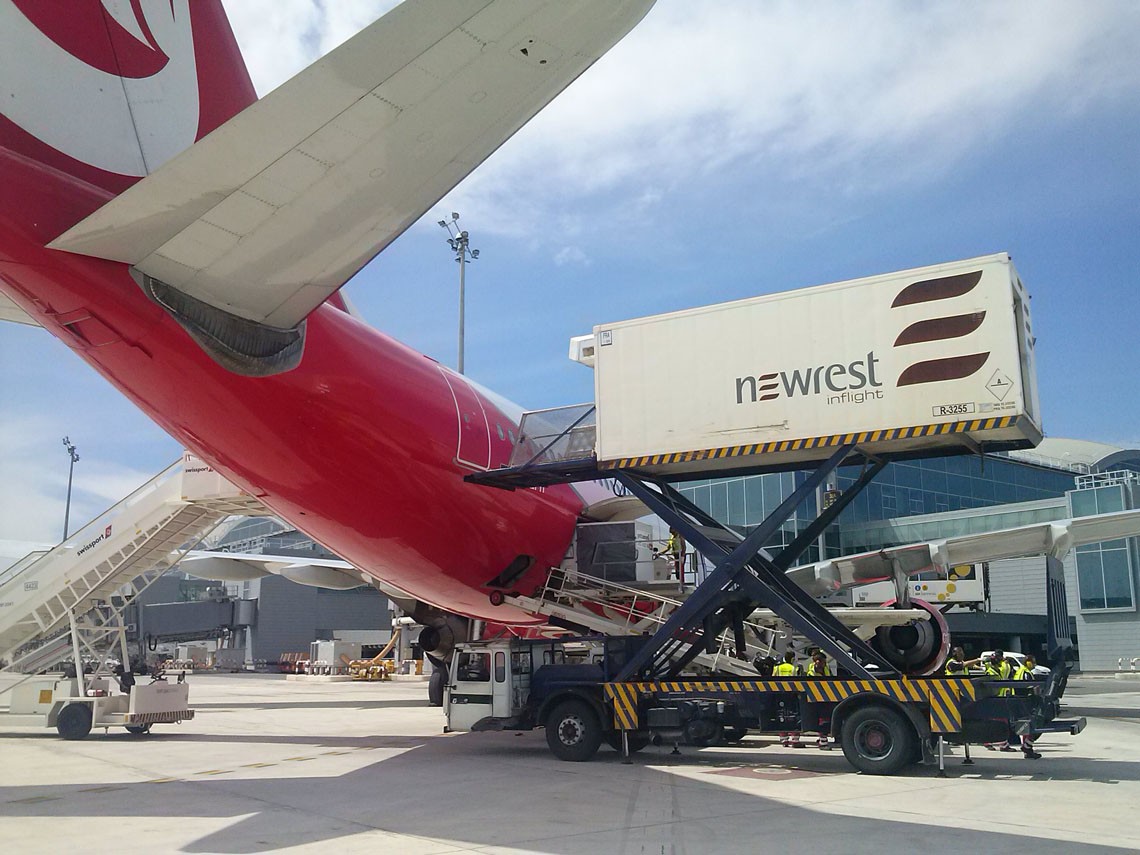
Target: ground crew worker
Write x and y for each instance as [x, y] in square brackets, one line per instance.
[788, 668]
[674, 550]
[1025, 672]
[957, 665]
[998, 669]
[818, 668]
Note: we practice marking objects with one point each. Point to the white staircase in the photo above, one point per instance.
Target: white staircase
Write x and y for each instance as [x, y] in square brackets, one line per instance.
[118, 554]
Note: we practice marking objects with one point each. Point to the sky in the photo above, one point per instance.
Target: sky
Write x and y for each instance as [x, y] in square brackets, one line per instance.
[724, 149]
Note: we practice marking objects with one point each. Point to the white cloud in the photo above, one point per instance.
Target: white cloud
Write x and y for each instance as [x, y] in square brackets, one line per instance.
[33, 488]
[864, 95]
[857, 98]
[571, 255]
[278, 38]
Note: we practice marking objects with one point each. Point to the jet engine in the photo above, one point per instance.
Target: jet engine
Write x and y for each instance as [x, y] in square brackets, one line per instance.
[917, 648]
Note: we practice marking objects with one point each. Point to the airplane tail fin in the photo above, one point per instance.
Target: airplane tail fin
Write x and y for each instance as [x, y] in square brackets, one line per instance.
[108, 90]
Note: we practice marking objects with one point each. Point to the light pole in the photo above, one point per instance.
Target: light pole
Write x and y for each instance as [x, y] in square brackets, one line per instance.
[71, 453]
[458, 241]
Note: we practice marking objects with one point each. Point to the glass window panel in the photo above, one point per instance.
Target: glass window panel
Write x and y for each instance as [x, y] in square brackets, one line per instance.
[1083, 502]
[772, 496]
[1117, 579]
[702, 498]
[753, 501]
[1090, 580]
[736, 504]
[1109, 499]
[720, 502]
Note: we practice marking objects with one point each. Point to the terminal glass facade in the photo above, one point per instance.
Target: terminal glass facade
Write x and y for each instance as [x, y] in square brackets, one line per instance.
[902, 489]
[1104, 570]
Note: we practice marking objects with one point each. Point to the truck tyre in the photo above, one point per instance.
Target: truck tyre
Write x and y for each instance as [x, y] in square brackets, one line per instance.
[436, 684]
[734, 734]
[138, 729]
[878, 740]
[637, 740]
[74, 721]
[573, 731]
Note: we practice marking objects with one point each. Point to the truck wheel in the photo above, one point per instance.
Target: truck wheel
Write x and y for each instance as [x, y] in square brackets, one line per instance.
[74, 721]
[138, 729]
[735, 734]
[637, 740]
[878, 740]
[436, 684]
[573, 731]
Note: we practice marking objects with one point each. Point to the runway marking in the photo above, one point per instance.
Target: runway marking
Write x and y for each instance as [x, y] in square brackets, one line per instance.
[162, 780]
[34, 800]
[298, 759]
[214, 772]
[103, 789]
[334, 752]
[257, 765]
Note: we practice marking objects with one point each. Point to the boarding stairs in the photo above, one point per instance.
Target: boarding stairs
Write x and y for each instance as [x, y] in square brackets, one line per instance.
[614, 609]
[82, 585]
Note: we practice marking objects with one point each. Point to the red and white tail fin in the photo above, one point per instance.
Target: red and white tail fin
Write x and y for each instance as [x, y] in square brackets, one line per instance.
[109, 90]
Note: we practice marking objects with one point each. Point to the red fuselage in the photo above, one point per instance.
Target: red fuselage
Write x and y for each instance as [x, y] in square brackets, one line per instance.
[363, 446]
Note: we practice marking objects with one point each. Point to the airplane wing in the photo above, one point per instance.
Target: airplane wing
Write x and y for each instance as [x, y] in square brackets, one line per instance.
[316, 572]
[1055, 538]
[277, 208]
[9, 311]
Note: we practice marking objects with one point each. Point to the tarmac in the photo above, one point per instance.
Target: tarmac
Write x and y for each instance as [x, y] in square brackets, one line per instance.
[275, 766]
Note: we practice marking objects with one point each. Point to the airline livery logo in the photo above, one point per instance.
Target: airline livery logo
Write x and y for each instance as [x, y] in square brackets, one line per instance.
[939, 329]
[106, 535]
[859, 380]
[111, 83]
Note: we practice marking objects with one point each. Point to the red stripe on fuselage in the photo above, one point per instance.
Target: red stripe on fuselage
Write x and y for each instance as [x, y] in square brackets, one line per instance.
[355, 447]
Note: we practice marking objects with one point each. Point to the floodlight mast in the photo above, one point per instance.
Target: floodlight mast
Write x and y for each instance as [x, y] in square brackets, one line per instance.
[460, 245]
[71, 453]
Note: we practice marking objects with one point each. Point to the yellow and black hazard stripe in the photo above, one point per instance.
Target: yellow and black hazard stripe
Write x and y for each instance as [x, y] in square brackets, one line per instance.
[778, 446]
[943, 696]
[623, 697]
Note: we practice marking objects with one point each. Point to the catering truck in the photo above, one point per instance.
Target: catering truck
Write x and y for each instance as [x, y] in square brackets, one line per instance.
[918, 362]
[935, 360]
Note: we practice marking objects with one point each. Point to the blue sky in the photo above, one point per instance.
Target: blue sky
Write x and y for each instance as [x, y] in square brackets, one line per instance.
[724, 149]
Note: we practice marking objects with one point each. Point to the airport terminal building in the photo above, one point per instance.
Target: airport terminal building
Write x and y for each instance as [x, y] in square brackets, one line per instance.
[934, 498]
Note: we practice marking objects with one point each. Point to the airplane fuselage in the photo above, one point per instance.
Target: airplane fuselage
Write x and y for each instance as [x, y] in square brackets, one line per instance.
[362, 446]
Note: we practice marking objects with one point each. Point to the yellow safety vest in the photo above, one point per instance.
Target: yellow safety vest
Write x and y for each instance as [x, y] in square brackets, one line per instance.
[815, 670]
[955, 668]
[999, 672]
[785, 669]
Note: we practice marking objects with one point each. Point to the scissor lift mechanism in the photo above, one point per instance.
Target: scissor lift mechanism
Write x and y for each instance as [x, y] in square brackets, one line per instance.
[745, 577]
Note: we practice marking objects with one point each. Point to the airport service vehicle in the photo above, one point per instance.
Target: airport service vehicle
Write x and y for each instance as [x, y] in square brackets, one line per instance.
[947, 367]
[75, 706]
[574, 689]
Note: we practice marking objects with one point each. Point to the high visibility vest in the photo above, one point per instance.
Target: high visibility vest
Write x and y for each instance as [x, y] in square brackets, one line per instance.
[1024, 672]
[817, 670]
[955, 667]
[785, 669]
[999, 672]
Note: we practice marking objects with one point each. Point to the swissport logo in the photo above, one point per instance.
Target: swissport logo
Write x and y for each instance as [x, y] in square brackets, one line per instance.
[859, 380]
[106, 535]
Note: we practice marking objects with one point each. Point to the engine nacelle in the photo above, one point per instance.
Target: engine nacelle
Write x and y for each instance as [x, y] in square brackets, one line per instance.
[917, 648]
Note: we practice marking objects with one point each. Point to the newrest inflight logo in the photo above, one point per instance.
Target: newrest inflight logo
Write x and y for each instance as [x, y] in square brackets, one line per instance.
[855, 381]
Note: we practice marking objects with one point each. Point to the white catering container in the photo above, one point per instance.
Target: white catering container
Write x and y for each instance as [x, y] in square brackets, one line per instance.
[921, 361]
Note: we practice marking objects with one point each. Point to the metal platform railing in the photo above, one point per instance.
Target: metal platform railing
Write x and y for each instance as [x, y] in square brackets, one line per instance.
[618, 609]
